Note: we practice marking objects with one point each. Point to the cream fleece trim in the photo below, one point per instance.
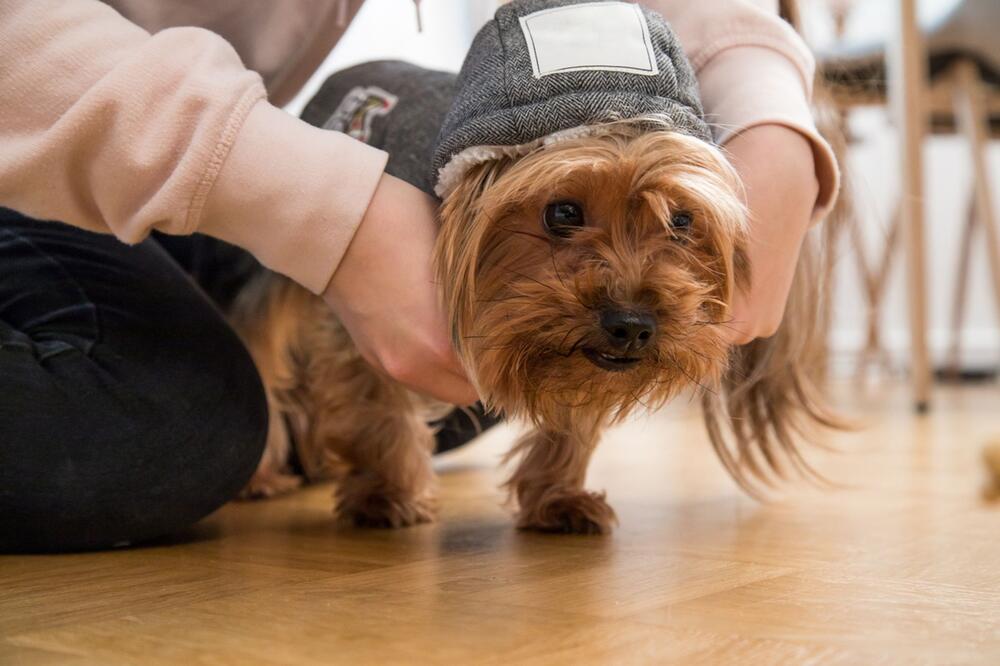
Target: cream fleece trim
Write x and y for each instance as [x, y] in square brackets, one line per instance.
[452, 172]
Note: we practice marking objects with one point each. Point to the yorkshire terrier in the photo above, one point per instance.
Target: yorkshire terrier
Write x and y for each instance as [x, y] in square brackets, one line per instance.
[584, 276]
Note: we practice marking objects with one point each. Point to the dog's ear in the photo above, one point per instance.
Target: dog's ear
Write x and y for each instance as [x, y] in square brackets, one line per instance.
[465, 219]
[770, 397]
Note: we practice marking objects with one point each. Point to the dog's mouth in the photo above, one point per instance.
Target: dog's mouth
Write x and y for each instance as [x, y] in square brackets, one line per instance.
[609, 361]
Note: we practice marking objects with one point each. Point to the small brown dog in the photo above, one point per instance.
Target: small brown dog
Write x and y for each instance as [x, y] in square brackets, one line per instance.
[585, 279]
[592, 239]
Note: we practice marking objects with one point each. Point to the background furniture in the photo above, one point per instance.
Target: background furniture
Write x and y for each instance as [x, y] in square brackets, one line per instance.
[948, 85]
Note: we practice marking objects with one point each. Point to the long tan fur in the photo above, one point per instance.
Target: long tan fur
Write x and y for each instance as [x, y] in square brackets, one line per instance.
[665, 237]
[771, 397]
[524, 305]
[347, 421]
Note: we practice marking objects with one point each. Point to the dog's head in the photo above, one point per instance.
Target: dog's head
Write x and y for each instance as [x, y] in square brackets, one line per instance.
[594, 273]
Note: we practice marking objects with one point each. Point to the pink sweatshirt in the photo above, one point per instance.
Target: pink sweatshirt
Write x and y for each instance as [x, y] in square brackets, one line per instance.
[118, 128]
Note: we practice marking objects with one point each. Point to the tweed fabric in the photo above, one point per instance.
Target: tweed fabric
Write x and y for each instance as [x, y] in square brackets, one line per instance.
[499, 102]
[497, 105]
[409, 130]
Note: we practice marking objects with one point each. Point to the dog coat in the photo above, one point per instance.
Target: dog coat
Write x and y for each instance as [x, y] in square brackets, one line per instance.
[540, 71]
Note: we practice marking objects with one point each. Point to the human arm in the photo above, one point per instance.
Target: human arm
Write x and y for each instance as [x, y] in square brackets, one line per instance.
[755, 78]
[111, 129]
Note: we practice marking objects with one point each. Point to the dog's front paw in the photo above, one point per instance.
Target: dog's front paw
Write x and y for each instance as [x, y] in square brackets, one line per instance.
[383, 510]
[578, 512]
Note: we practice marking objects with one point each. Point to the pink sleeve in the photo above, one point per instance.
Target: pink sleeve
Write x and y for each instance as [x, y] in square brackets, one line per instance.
[753, 69]
[108, 128]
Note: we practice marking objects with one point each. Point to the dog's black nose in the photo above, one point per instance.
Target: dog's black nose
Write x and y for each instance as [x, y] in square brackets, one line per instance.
[628, 330]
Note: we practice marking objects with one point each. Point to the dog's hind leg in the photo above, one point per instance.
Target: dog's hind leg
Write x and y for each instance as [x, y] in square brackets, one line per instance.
[272, 477]
[377, 431]
[341, 412]
[267, 316]
[389, 481]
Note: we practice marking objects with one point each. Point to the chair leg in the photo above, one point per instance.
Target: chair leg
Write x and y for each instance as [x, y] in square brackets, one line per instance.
[867, 278]
[876, 286]
[972, 119]
[825, 310]
[842, 217]
[907, 80]
[953, 368]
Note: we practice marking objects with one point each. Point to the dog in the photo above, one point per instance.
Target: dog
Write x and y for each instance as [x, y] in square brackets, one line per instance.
[586, 273]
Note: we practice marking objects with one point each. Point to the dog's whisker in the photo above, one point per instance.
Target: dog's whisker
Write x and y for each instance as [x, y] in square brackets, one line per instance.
[569, 332]
[521, 232]
[677, 366]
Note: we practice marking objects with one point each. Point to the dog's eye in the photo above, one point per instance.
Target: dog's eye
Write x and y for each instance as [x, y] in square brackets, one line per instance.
[681, 221]
[562, 218]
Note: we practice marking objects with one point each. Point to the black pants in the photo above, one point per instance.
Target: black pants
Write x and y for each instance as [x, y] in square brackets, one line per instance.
[128, 407]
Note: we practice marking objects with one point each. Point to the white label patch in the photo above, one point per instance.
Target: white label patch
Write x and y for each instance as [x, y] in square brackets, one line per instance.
[597, 36]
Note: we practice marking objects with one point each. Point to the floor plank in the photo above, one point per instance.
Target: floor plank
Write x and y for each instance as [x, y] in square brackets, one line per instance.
[899, 563]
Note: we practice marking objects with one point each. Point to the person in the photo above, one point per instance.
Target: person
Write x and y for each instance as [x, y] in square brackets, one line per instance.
[128, 408]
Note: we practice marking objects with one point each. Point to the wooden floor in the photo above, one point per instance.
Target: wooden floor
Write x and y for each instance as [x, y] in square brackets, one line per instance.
[902, 565]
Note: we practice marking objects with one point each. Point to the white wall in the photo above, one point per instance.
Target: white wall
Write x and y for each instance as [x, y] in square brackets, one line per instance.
[387, 30]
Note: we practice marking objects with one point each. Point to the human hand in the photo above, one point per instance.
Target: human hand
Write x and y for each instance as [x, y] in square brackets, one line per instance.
[777, 168]
[384, 293]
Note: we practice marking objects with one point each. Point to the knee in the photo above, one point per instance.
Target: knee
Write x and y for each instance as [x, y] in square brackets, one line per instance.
[147, 452]
[216, 414]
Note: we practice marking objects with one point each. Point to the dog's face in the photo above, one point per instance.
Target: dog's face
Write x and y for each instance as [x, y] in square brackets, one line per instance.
[594, 274]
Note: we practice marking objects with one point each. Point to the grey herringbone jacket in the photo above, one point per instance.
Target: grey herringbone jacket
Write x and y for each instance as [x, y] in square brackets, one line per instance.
[539, 70]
